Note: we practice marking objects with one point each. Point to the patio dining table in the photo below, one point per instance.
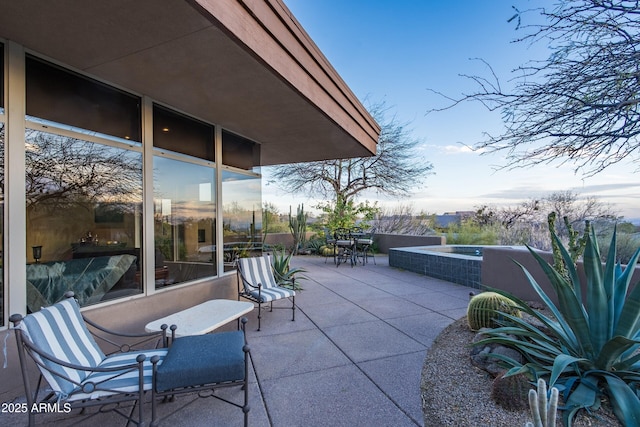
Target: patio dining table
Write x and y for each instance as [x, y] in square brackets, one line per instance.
[347, 243]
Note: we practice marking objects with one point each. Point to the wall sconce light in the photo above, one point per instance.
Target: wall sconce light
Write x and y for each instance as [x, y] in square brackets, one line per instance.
[37, 253]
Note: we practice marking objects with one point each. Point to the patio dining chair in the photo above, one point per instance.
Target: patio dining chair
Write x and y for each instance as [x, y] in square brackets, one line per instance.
[331, 243]
[364, 242]
[345, 246]
[257, 283]
[81, 375]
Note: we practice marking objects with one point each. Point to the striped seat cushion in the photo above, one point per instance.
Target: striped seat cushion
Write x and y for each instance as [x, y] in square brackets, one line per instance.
[272, 294]
[364, 241]
[257, 270]
[100, 384]
[60, 331]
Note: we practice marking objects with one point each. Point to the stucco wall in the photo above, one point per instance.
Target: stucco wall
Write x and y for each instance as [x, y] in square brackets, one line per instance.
[386, 241]
[500, 271]
[285, 239]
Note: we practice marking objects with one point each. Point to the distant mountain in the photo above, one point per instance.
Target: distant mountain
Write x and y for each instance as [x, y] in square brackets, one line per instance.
[634, 221]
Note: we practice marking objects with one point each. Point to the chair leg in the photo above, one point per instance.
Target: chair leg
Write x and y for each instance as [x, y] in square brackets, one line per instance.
[293, 308]
[246, 407]
[259, 314]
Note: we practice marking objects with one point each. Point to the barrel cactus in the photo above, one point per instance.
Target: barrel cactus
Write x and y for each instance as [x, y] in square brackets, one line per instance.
[511, 392]
[483, 308]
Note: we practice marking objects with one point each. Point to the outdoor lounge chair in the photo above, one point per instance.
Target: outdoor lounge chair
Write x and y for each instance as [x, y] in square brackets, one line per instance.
[257, 283]
[81, 375]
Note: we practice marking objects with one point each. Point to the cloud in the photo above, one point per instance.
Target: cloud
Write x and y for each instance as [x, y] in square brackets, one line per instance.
[598, 188]
[517, 193]
[458, 148]
[528, 192]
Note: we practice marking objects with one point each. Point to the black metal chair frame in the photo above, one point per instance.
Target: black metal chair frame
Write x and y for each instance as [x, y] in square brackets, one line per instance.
[112, 402]
[363, 246]
[331, 242]
[345, 247]
[242, 293]
[200, 389]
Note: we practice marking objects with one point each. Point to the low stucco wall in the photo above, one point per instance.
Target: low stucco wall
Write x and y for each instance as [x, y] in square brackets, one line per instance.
[500, 271]
[386, 241]
[285, 239]
[122, 316]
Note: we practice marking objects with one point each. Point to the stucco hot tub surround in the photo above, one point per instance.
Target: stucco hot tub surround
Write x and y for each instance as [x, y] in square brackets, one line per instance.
[460, 264]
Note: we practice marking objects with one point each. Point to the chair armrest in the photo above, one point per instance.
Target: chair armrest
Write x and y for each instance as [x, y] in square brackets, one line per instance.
[144, 337]
[44, 355]
[246, 283]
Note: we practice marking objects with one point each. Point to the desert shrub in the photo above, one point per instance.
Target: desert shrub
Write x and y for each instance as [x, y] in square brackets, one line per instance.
[589, 347]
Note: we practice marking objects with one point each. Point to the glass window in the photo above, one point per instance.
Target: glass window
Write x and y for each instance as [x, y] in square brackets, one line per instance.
[184, 221]
[84, 219]
[181, 134]
[61, 96]
[2, 224]
[242, 216]
[1, 78]
[239, 152]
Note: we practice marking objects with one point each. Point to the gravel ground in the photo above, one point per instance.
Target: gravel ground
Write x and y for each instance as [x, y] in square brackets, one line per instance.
[456, 393]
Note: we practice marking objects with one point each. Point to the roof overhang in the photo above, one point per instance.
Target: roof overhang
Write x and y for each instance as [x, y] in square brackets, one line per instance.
[245, 65]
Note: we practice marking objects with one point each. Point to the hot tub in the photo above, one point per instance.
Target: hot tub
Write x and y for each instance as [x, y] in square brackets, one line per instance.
[454, 263]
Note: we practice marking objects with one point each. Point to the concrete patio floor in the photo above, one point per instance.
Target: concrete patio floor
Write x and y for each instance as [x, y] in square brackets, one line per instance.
[353, 356]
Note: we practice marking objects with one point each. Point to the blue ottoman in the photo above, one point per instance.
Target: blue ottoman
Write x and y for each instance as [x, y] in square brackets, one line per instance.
[202, 359]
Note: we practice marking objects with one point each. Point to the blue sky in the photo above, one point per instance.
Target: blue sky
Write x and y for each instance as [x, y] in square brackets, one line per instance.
[396, 50]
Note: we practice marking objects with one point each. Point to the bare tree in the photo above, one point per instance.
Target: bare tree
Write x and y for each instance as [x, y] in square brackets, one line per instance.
[581, 104]
[63, 171]
[526, 223]
[392, 171]
[401, 219]
[577, 210]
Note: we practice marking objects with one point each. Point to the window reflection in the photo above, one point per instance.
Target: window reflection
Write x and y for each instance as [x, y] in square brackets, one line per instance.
[184, 221]
[1, 224]
[242, 216]
[84, 219]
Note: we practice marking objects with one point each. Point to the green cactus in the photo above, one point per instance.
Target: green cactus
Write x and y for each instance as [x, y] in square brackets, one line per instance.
[511, 391]
[482, 309]
[543, 411]
[298, 227]
[575, 246]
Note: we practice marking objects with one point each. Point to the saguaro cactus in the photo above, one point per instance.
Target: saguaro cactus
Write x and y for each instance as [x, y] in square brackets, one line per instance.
[298, 227]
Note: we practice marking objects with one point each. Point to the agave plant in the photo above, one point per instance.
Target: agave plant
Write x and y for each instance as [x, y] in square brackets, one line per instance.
[283, 272]
[590, 347]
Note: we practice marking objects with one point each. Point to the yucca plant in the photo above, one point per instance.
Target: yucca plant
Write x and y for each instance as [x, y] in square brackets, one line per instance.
[282, 271]
[590, 347]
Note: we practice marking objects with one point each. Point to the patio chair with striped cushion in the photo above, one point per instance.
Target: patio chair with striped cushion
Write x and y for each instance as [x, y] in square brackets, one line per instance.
[80, 374]
[257, 283]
